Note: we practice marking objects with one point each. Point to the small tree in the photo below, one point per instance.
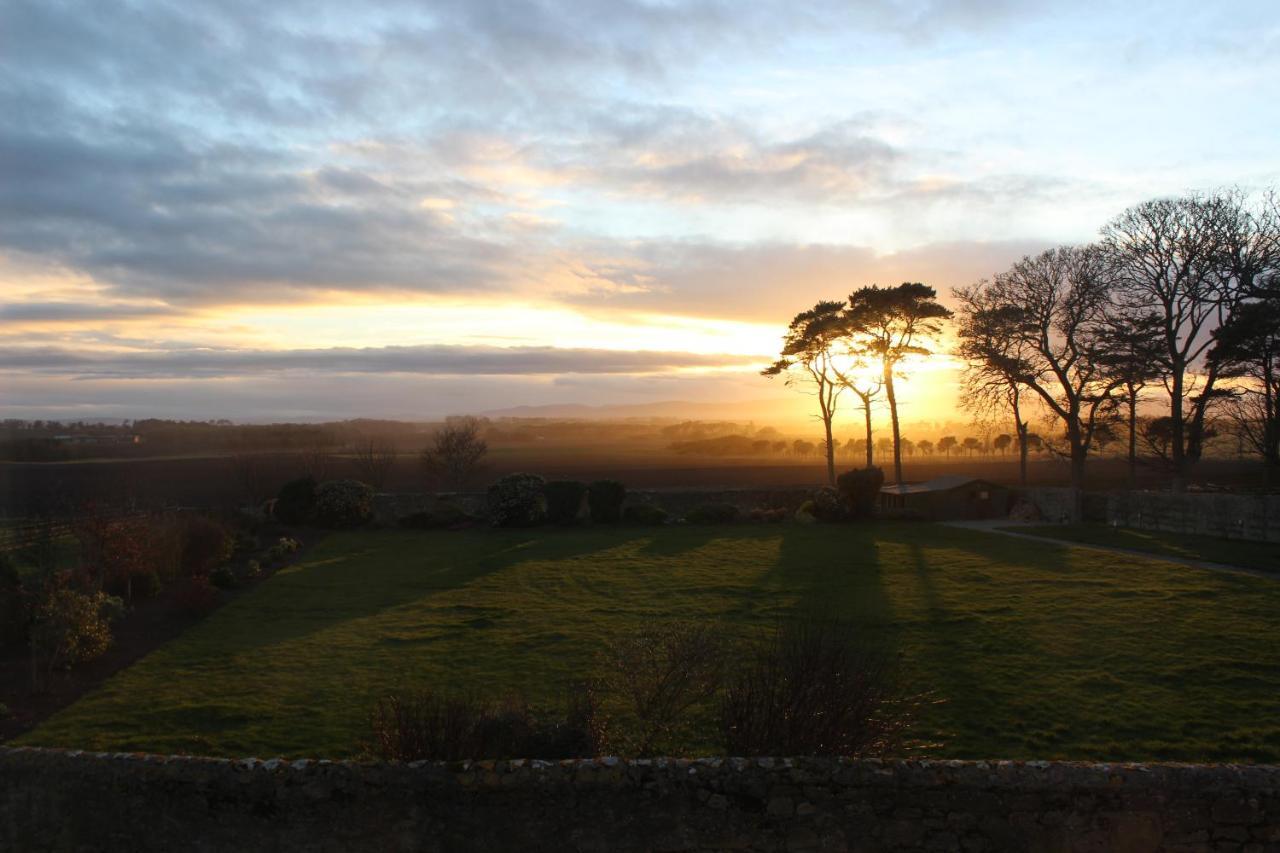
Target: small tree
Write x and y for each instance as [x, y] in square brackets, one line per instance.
[808, 361]
[455, 453]
[374, 460]
[1002, 443]
[947, 443]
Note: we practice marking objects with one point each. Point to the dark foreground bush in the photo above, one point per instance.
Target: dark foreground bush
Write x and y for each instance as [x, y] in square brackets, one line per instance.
[816, 687]
[645, 514]
[604, 498]
[206, 544]
[343, 503]
[296, 502]
[828, 505]
[660, 672]
[423, 725]
[564, 501]
[860, 490]
[712, 514]
[517, 500]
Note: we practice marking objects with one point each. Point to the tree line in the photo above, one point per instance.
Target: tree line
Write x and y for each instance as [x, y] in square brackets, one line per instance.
[1178, 294]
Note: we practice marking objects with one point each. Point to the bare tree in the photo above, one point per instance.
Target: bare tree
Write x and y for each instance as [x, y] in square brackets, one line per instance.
[374, 458]
[455, 453]
[995, 358]
[1132, 352]
[1192, 261]
[1060, 299]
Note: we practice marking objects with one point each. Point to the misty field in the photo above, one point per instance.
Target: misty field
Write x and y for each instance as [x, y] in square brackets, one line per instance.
[1032, 650]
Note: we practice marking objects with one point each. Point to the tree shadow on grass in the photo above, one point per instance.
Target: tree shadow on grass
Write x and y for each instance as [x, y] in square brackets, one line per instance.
[357, 576]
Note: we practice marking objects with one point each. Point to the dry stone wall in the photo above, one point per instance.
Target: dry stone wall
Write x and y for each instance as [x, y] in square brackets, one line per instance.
[54, 800]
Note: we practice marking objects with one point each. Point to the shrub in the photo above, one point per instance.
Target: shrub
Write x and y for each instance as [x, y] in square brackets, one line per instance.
[252, 569]
[13, 609]
[517, 500]
[564, 501]
[206, 544]
[827, 505]
[816, 687]
[146, 584]
[223, 578]
[644, 514]
[343, 503]
[197, 596]
[860, 490]
[442, 516]
[661, 672]
[296, 502]
[69, 627]
[712, 514]
[604, 500]
[806, 513]
[425, 725]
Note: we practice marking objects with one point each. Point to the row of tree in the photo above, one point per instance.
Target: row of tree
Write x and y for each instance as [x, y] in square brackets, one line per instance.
[1181, 294]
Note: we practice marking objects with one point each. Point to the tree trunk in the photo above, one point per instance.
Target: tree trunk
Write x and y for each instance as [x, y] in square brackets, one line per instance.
[1133, 438]
[1176, 431]
[867, 412]
[831, 450]
[893, 418]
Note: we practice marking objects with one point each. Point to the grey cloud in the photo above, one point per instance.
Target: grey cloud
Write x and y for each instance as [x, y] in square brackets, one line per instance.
[76, 312]
[428, 360]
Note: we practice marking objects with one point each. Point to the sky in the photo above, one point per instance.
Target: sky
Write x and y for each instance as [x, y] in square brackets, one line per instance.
[306, 210]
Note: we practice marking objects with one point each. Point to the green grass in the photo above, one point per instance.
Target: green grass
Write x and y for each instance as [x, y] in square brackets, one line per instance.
[1231, 552]
[1035, 651]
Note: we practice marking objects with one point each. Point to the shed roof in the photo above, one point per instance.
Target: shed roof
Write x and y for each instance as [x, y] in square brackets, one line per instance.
[937, 484]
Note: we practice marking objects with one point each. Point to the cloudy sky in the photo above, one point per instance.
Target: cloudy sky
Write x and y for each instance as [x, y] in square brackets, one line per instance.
[328, 209]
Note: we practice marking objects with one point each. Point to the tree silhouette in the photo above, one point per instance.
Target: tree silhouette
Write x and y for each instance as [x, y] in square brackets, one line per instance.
[807, 360]
[1002, 443]
[1192, 261]
[888, 324]
[925, 446]
[1132, 351]
[1248, 347]
[946, 444]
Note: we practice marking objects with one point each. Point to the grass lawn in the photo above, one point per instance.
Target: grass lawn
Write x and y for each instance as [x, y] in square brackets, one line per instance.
[1036, 651]
[1231, 552]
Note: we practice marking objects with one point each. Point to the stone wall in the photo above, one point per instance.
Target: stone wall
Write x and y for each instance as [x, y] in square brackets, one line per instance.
[55, 800]
[388, 508]
[1255, 517]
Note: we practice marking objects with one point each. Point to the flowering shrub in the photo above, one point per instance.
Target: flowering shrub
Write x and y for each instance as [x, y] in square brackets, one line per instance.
[517, 500]
[827, 505]
[69, 627]
[343, 503]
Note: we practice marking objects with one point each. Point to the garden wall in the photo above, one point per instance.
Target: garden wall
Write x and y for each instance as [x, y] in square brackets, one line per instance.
[389, 507]
[1255, 517]
[54, 800]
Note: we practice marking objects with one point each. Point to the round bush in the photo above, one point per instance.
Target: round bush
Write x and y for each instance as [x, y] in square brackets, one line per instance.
[644, 514]
[860, 489]
[517, 500]
[343, 503]
[604, 498]
[296, 503]
[564, 501]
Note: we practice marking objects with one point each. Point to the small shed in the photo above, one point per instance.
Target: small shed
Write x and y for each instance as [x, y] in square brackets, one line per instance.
[947, 498]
